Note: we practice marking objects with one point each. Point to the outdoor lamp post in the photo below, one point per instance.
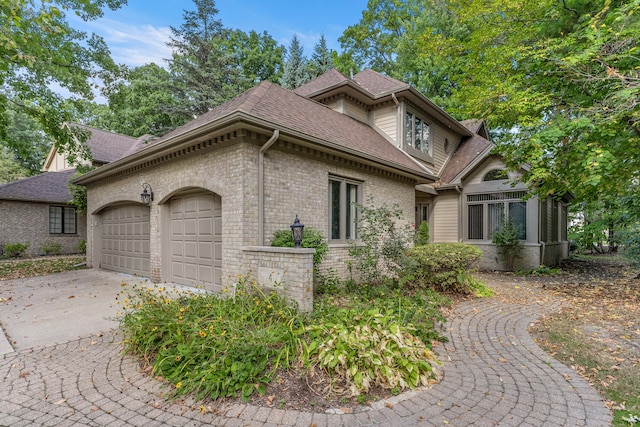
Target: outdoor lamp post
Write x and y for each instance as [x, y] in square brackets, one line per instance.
[146, 197]
[297, 232]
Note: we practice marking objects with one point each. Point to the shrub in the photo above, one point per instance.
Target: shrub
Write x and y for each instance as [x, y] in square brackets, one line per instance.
[445, 267]
[370, 348]
[51, 248]
[312, 239]
[507, 240]
[382, 253]
[209, 345]
[422, 236]
[15, 250]
[82, 246]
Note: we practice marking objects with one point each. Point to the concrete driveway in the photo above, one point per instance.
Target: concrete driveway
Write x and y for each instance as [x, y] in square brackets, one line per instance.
[47, 310]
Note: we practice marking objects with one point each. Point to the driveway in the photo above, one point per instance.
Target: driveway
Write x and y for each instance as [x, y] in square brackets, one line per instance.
[47, 310]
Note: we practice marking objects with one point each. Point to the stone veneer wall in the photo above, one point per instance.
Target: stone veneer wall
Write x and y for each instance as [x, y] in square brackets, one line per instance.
[22, 222]
[288, 271]
[491, 260]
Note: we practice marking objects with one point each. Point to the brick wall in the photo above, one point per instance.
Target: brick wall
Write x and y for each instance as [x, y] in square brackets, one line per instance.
[22, 222]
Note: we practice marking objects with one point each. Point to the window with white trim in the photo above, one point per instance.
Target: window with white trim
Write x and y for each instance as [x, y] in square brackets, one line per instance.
[62, 220]
[487, 214]
[417, 134]
[344, 195]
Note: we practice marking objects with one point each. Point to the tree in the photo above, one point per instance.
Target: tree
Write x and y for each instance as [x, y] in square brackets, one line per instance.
[321, 59]
[39, 50]
[10, 170]
[139, 104]
[24, 141]
[295, 66]
[558, 81]
[256, 57]
[202, 73]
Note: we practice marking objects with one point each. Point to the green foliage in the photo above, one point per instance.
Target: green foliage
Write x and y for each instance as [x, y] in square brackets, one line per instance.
[312, 239]
[380, 254]
[79, 192]
[507, 240]
[10, 169]
[445, 267]
[51, 248]
[41, 51]
[82, 246]
[295, 66]
[370, 348]
[208, 345]
[25, 141]
[321, 60]
[15, 250]
[630, 238]
[422, 236]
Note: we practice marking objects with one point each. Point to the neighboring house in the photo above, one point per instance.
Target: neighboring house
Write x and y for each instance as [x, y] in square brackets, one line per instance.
[38, 210]
[225, 182]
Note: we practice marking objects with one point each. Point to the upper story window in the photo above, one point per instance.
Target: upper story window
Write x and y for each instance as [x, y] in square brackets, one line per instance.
[417, 133]
[496, 175]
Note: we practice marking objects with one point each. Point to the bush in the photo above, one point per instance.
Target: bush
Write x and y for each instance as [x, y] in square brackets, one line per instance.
[382, 254]
[445, 267]
[507, 240]
[312, 239]
[51, 248]
[422, 236]
[15, 250]
[82, 246]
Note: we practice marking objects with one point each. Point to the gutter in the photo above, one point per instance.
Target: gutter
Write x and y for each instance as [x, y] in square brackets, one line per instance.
[263, 149]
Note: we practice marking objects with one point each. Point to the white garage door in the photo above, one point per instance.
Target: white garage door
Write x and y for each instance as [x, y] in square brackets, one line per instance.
[196, 239]
[125, 239]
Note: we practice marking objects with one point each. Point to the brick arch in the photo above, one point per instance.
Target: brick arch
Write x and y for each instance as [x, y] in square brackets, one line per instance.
[188, 183]
[114, 200]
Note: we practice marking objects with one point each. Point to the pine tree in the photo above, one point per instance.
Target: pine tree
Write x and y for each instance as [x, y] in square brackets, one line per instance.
[295, 66]
[321, 59]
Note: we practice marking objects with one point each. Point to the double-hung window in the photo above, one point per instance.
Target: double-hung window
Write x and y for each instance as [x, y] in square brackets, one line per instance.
[62, 220]
[487, 214]
[344, 195]
[417, 134]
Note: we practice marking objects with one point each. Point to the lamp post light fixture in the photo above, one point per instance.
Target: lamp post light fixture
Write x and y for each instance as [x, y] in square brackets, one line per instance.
[297, 232]
[146, 197]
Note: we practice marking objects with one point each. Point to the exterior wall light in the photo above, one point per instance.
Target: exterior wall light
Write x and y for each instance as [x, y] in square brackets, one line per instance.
[297, 232]
[146, 197]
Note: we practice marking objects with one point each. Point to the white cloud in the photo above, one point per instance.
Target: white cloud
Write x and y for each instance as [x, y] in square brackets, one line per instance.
[133, 45]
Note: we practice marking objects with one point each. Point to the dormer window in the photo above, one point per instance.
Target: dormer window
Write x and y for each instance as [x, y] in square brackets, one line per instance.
[417, 135]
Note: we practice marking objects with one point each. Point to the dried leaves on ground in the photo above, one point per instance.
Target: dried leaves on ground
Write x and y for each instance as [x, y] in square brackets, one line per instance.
[30, 267]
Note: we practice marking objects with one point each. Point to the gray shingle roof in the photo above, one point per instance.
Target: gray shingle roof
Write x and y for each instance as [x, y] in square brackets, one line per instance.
[105, 146]
[378, 84]
[466, 153]
[47, 187]
[332, 77]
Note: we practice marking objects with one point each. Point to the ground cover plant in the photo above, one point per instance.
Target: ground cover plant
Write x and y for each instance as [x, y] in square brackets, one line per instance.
[15, 269]
[251, 345]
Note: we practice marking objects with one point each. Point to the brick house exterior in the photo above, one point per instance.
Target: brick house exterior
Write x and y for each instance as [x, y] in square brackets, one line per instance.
[225, 182]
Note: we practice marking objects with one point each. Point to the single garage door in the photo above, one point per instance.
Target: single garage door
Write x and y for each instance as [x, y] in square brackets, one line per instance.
[196, 239]
[125, 239]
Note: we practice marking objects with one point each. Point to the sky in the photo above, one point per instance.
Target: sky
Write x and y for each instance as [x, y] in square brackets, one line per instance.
[136, 33]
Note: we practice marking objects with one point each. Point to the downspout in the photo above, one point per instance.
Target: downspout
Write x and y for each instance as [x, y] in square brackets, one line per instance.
[263, 149]
[398, 121]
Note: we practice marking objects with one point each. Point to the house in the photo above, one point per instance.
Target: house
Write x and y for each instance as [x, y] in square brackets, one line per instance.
[38, 210]
[222, 184]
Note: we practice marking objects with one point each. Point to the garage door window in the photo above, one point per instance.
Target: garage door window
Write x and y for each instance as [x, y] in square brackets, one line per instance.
[62, 220]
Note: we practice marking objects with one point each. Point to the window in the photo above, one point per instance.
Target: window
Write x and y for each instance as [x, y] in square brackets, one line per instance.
[417, 133]
[62, 220]
[496, 175]
[488, 212]
[343, 197]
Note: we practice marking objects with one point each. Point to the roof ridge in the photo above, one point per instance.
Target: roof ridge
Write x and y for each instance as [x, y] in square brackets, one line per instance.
[255, 95]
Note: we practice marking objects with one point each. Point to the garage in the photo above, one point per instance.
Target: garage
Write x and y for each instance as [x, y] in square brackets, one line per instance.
[125, 239]
[196, 239]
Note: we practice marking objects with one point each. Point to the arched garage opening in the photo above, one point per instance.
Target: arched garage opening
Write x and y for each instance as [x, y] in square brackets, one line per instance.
[124, 239]
[195, 239]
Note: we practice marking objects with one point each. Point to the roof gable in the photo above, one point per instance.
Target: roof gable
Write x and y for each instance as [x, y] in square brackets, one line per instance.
[47, 187]
[378, 84]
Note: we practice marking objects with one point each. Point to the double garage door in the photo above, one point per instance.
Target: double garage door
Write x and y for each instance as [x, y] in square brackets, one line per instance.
[194, 255]
[125, 239]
